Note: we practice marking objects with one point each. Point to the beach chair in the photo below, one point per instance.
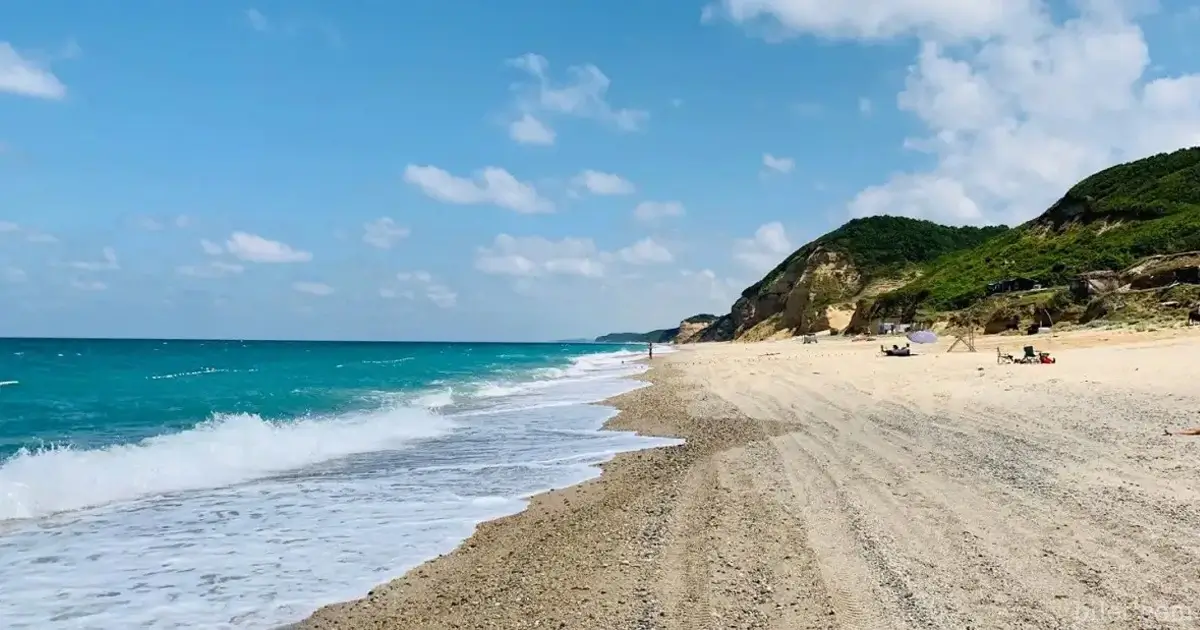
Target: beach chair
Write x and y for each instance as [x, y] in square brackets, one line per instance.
[1002, 357]
[1030, 356]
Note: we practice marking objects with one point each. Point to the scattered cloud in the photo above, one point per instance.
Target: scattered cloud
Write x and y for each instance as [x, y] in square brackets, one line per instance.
[108, 262]
[1016, 102]
[288, 27]
[88, 285]
[31, 235]
[256, 249]
[383, 233]
[157, 224]
[529, 130]
[40, 237]
[313, 288]
[584, 94]
[875, 20]
[492, 185]
[213, 269]
[534, 256]
[808, 109]
[257, 20]
[778, 164]
[211, 248]
[720, 291]
[764, 250]
[422, 282]
[864, 106]
[25, 77]
[538, 257]
[599, 183]
[13, 274]
[645, 252]
[149, 224]
[654, 210]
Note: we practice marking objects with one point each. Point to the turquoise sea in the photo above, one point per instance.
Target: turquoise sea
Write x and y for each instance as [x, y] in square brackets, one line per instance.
[242, 484]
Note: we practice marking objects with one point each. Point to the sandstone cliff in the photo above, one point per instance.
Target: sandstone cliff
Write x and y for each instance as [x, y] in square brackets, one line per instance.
[822, 286]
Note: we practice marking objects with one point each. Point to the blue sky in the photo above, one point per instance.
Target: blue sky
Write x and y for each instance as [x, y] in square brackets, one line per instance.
[531, 169]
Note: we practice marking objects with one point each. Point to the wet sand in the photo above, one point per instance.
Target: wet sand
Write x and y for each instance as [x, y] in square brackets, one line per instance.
[822, 486]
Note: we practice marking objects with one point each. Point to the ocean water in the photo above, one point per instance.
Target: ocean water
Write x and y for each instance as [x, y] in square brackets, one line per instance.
[228, 484]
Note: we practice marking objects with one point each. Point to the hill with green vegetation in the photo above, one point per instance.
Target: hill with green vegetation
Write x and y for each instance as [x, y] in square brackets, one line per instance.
[1106, 222]
[899, 268]
[664, 335]
[687, 327]
[803, 293]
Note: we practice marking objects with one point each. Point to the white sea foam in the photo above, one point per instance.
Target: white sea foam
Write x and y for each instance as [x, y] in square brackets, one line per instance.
[228, 449]
[249, 524]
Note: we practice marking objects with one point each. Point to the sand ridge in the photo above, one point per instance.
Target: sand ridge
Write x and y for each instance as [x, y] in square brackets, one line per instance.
[823, 486]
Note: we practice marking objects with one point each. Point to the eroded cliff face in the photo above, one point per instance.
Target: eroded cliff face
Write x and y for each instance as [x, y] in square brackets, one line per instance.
[802, 299]
[690, 331]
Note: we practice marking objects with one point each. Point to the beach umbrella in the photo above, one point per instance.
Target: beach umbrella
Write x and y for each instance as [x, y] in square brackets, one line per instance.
[922, 336]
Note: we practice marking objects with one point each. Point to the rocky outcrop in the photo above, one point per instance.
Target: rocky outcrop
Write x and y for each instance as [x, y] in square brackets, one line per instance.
[798, 297]
[720, 330]
[693, 327]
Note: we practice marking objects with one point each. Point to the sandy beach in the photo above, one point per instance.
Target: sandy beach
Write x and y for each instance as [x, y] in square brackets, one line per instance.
[823, 486]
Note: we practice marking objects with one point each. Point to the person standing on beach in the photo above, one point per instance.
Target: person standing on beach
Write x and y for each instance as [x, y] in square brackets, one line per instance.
[650, 349]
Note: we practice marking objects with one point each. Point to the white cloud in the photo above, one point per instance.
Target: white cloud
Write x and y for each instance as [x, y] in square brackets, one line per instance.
[583, 95]
[778, 164]
[652, 210]
[211, 248]
[254, 248]
[40, 237]
[313, 288]
[441, 296]
[529, 130]
[537, 257]
[720, 291]
[150, 224]
[534, 256]
[422, 281]
[881, 19]
[383, 233]
[257, 20]
[599, 183]
[767, 248]
[32, 236]
[492, 185]
[108, 262]
[645, 252]
[414, 276]
[24, 77]
[1027, 107]
[155, 224]
[213, 269]
[88, 285]
[14, 274]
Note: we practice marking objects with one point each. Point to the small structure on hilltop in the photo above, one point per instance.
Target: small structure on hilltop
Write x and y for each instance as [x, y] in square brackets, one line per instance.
[1010, 285]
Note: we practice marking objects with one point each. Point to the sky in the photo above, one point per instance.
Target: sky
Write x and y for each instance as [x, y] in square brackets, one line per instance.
[533, 169]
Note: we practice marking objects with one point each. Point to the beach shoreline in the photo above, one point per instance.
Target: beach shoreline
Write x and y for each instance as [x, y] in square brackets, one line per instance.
[586, 544]
[822, 486]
